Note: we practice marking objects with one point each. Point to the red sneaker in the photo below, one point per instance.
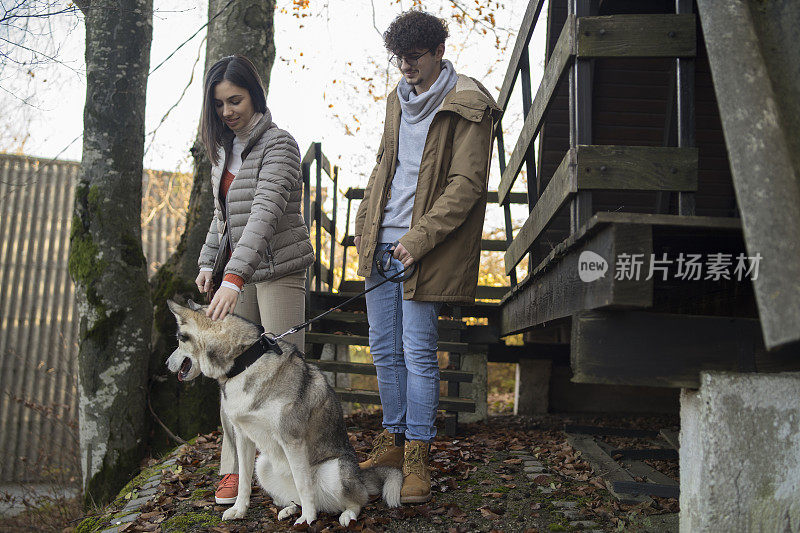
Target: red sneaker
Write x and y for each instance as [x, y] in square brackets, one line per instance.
[227, 489]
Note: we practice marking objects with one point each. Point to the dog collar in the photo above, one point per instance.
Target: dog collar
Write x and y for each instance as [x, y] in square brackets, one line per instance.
[265, 343]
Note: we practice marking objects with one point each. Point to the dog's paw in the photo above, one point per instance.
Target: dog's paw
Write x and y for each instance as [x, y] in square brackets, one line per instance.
[308, 518]
[286, 512]
[347, 516]
[234, 513]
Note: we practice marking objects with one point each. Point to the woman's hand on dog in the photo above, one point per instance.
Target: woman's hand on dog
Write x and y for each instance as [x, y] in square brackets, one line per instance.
[203, 281]
[223, 303]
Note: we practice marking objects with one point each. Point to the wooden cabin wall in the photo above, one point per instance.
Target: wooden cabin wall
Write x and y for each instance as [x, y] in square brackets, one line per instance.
[630, 106]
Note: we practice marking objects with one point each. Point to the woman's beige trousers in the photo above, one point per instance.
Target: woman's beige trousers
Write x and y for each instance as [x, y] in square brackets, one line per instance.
[277, 305]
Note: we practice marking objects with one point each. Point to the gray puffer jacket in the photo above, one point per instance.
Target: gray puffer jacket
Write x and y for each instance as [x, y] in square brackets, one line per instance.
[267, 232]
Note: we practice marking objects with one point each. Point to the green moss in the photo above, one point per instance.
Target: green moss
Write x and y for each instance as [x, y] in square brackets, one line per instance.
[84, 256]
[90, 524]
[182, 523]
[131, 250]
[93, 196]
[200, 494]
[139, 480]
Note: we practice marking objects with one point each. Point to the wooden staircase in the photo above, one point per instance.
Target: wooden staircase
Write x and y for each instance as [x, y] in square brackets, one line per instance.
[348, 326]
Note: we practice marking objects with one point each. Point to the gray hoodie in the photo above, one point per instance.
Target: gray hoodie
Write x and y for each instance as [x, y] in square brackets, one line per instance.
[415, 119]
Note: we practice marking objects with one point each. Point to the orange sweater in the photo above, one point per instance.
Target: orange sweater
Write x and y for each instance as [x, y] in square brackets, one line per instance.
[225, 184]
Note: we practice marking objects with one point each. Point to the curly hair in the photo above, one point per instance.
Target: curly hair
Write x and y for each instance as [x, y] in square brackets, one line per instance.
[414, 29]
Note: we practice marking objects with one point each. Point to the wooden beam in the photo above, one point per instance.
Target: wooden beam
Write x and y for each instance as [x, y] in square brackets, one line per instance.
[354, 194]
[327, 223]
[310, 154]
[361, 340]
[644, 168]
[326, 166]
[493, 245]
[555, 195]
[555, 289]
[368, 369]
[666, 350]
[758, 110]
[513, 197]
[605, 466]
[488, 292]
[637, 36]
[524, 34]
[447, 403]
[553, 72]
[503, 353]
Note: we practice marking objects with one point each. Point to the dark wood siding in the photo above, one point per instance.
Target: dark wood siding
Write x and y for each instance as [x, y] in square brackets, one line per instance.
[630, 106]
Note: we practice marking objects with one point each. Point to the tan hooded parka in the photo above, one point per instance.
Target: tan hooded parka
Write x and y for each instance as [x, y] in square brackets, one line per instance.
[450, 201]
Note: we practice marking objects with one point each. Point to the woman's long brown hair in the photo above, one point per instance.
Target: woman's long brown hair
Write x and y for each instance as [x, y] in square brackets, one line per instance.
[240, 71]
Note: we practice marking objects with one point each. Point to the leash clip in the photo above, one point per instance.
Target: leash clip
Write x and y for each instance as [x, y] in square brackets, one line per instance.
[269, 343]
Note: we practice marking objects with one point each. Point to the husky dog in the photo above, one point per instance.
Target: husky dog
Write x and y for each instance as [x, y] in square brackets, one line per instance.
[284, 407]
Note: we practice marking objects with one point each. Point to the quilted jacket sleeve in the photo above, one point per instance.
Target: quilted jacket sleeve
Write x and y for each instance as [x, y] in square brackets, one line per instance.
[278, 176]
[209, 251]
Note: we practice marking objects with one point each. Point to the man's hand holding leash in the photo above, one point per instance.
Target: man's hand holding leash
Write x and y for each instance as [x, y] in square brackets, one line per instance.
[402, 255]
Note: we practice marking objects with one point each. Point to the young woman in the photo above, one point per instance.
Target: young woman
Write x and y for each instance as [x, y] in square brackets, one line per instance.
[257, 189]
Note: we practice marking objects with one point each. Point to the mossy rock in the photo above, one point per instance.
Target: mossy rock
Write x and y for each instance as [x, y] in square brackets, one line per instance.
[91, 524]
[184, 522]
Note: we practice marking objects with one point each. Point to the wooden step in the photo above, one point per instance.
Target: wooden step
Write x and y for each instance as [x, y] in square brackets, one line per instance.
[361, 318]
[325, 300]
[446, 403]
[362, 340]
[351, 287]
[368, 369]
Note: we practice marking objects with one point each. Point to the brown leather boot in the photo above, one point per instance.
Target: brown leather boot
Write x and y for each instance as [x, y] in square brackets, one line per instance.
[416, 474]
[387, 450]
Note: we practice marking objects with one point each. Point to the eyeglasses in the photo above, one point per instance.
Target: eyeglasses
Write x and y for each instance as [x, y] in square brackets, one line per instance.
[411, 60]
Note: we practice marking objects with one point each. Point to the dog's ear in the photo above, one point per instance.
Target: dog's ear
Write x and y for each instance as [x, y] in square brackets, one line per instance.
[194, 306]
[179, 311]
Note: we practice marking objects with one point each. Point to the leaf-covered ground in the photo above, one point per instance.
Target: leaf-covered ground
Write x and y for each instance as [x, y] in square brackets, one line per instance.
[479, 484]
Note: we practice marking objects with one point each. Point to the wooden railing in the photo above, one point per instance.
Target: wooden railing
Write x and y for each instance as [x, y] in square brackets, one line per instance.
[484, 292]
[586, 167]
[315, 216]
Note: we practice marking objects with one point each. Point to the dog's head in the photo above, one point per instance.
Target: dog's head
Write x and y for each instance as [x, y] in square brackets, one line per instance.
[207, 346]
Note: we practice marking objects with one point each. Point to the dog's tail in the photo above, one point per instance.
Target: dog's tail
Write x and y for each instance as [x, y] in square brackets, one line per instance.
[386, 480]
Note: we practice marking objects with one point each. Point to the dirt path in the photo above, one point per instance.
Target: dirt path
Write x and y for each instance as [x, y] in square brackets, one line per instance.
[506, 475]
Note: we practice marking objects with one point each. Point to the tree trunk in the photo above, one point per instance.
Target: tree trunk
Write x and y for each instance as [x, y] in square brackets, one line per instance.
[243, 27]
[106, 260]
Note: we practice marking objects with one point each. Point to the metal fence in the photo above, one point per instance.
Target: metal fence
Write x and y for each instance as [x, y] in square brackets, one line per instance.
[38, 319]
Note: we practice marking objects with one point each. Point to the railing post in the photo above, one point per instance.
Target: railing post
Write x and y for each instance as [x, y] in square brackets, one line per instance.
[306, 171]
[501, 159]
[332, 259]
[318, 216]
[344, 241]
[534, 188]
[686, 124]
[580, 112]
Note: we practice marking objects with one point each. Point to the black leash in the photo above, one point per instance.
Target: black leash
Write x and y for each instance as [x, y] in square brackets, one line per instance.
[268, 342]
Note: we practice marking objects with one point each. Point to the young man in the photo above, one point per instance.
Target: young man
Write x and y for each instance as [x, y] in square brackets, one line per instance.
[427, 193]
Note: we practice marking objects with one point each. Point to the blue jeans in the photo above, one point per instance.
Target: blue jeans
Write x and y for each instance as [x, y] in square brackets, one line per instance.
[403, 340]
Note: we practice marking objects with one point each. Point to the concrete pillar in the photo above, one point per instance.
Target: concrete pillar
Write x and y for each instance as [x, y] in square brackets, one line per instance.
[532, 388]
[740, 453]
[478, 389]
